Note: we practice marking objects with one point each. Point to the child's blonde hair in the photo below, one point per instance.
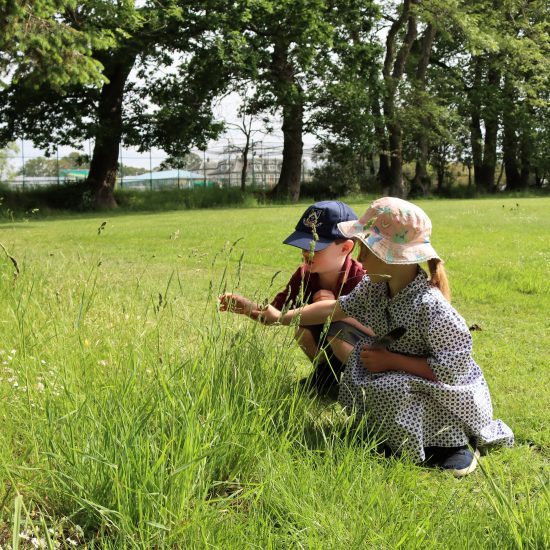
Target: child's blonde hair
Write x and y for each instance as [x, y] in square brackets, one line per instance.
[438, 277]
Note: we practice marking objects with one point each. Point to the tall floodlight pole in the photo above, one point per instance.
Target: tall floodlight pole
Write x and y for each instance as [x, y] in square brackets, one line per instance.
[23, 161]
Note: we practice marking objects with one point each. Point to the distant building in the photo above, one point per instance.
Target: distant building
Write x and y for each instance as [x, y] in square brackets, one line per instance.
[165, 179]
[65, 176]
[262, 170]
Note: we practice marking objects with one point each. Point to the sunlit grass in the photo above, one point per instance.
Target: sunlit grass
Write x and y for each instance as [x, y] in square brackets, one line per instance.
[134, 415]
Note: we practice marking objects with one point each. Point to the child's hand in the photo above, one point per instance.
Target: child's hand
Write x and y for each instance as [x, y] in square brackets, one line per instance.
[268, 315]
[239, 304]
[376, 359]
[322, 294]
[236, 304]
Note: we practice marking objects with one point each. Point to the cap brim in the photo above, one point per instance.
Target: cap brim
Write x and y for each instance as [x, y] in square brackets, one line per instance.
[303, 241]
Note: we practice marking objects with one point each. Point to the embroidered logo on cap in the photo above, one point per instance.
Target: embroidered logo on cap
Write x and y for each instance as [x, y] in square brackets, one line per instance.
[313, 219]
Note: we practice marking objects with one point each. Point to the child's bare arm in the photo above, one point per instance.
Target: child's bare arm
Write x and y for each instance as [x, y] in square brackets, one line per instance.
[313, 314]
[236, 303]
[382, 360]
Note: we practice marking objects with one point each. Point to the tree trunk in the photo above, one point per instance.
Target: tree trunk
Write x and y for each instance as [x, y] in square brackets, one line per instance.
[491, 132]
[394, 65]
[476, 138]
[291, 170]
[104, 163]
[525, 157]
[484, 148]
[440, 162]
[290, 97]
[421, 182]
[510, 138]
[383, 175]
[396, 186]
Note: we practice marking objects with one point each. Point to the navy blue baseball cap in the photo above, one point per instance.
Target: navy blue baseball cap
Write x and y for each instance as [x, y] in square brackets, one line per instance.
[323, 217]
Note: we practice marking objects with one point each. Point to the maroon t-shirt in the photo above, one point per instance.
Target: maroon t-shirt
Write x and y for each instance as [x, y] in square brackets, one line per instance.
[352, 272]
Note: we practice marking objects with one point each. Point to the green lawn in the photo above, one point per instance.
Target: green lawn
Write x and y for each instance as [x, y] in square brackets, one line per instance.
[133, 415]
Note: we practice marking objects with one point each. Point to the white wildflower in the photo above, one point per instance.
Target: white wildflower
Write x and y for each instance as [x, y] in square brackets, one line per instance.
[38, 543]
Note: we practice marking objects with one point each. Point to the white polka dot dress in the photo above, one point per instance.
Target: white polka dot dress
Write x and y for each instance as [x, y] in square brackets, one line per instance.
[410, 412]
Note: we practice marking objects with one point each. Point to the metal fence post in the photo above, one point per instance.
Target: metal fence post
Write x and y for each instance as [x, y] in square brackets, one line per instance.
[23, 161]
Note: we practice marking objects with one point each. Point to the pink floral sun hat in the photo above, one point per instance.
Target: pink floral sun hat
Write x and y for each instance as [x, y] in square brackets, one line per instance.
[396, 231]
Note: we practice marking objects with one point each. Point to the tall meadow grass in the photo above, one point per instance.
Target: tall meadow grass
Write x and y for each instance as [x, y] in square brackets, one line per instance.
[133, 414]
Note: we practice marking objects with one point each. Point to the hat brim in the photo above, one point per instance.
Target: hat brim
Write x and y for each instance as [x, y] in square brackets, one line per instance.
[386, 250]
[302, 240]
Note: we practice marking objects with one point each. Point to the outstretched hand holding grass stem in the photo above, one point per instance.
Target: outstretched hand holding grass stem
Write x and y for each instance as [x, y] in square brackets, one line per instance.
[312, 314]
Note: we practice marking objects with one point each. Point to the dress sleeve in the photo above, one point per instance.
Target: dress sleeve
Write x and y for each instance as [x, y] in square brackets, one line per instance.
[449, 342]
[354, 304]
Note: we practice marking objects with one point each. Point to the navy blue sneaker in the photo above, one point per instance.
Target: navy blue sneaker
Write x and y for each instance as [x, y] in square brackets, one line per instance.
[460, 461]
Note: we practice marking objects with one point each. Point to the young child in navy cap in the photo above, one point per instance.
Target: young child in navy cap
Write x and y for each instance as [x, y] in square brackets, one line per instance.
[327, 272]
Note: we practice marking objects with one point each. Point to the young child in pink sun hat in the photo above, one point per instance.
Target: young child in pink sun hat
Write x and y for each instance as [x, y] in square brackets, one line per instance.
[421, 391]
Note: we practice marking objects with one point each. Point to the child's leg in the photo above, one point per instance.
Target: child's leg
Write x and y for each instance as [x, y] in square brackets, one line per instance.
[326, 373]
[342, 337]
[308, 340]
[340, 349]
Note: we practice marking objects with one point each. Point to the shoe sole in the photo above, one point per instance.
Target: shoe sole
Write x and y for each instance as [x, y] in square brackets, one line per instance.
[471, 467]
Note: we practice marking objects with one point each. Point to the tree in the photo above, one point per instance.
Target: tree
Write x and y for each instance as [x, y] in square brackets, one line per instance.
[43, 166]
[495, 74]
[151, 113]
[248, 127]
[38, 46]
[282, 44]
[341, 113]
[189, 161]
[421, 182]
[525, 68]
